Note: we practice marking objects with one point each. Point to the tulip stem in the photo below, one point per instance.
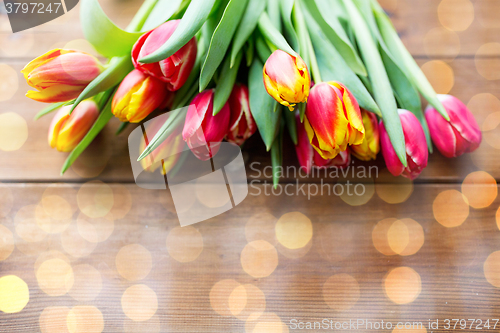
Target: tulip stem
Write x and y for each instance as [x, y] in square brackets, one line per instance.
[306, 46]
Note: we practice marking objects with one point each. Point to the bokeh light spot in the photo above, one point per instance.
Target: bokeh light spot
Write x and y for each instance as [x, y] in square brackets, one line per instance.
[440, 75]
[259, 259]
[53, 319]
[492, 269]
[488, 62]
[402, 285]
[184, 244]
[6, 242]
[14, 294]
[55, 277]
[139, 302]
[13, 131]
[261, 226]
[341, 292]
[9, 82]
[95, 199]
[480, 189]
[134, 262]
[450, 208]
[219, 296]
[294, 230]
[456, 15]
[88, 283]
[85, 319]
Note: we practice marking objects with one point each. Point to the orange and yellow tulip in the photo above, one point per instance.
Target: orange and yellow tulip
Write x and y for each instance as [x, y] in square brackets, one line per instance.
[333, 119]
[66, 131]
[60, 75]
[370, 146]
[137, 96]
[287, 79]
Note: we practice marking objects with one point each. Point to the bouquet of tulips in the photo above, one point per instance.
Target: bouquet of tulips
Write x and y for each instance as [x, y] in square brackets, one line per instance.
[332, 73]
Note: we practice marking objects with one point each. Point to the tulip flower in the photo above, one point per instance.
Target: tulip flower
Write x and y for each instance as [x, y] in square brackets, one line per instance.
[459, 135]
[174, 70]
[60, 75]
[137, 96]
[333, 119]
[203, 131]
[370, 146]
[66, 131]
[241, 122]
[287, 79]
[416, 147]
[167, 154]
[308, 157]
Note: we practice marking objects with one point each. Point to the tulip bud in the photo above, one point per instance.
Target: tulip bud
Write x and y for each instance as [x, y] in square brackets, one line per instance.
[309, 158]
[416, 147]
[241, 123]
[333, 119]
[167, 154]
[287, 79]
[203, 131]
[370, 146]
[66, 131]
[137, 96]
[60, 75]
[174, 70]
[459, 135]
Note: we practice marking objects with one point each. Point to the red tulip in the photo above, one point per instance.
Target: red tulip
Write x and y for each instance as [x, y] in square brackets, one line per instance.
[309, 158]
[203, 131]
[333, 119]
[137, 96]
[416, 147]
[241, 123]
[370, 146]
[459, 135]
[174, 70]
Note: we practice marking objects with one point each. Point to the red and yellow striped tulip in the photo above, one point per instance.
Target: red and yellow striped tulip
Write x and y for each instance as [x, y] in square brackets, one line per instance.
[370, 146]
[60, 75]
[287, 79]
[175, 70]
[137, 96]
[66, 131]
[333, 119]
[241, 123]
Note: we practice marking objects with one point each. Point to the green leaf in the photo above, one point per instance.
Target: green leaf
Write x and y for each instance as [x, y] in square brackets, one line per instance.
[193, 19]
[175, 119]
[220, 40]
[162, 12]
[277, 156]
[325, 17]
[289, 31]
[247, 26]
[122, 127]
[262, 49]
[50, 108]
[404, 90]
[273, 10]
[382, 89]
[273, 35]
[249, 52]
[225, 86]
[104, 117]
[397, 48]
[263, 106]
[104, 35]
[334, 68]
[302, 111]
[141, 16]
[291, 125]
[113, 75]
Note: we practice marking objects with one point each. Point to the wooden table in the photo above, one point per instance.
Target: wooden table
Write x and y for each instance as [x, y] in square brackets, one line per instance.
[92, 252]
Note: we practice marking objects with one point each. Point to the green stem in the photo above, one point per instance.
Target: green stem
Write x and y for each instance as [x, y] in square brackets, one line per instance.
[141, 16]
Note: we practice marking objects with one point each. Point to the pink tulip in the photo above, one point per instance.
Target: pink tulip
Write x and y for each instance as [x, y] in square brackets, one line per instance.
[416, 147]
[459, 135]
[241, 124]
[174, 70]
[203, 131]
[308, 157]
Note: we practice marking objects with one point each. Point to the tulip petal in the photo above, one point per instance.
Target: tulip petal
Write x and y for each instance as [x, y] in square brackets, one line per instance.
[392, 161]
[56, 93]
[304, 150]
[56, 125]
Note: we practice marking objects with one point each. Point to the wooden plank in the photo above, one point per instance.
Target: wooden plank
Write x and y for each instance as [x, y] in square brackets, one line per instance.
[449, 262]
